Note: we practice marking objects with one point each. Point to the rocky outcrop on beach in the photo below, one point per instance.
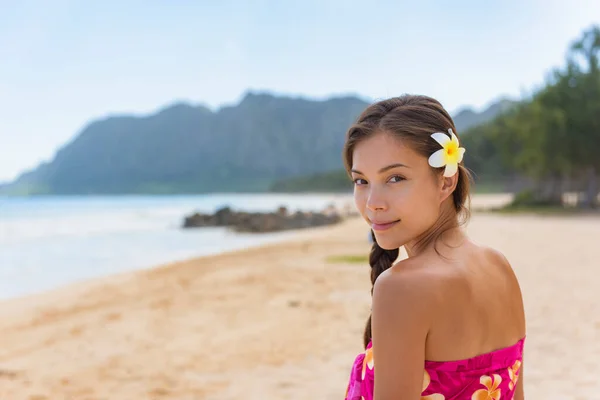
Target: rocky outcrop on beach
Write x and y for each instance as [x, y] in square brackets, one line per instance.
[257, 222]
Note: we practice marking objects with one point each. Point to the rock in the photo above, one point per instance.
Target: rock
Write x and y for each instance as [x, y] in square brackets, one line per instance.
[279, 220]
[197, 220]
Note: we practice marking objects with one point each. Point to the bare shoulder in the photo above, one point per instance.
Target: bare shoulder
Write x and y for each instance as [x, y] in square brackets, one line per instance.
[424, 277]
[407, 286]
[497, 258]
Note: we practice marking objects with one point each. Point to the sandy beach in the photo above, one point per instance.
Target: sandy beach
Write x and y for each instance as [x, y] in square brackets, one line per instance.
[284, 321]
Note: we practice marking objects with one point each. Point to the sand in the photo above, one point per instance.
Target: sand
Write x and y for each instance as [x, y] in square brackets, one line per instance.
[284, 321]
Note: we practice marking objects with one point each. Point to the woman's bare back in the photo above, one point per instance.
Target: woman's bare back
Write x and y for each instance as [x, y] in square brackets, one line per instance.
[479, 303]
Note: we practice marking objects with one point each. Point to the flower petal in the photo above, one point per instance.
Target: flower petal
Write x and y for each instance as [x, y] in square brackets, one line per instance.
[450, 170]
[497, 381]
[441, 138]
[369, 357]
[486, 381]
[495, 394]
[438, 159]
[480, 394]
[461, 153]
[454, 137]
[516, 366]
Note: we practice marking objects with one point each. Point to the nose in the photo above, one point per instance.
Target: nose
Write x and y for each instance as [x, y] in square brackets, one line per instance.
[375, 202]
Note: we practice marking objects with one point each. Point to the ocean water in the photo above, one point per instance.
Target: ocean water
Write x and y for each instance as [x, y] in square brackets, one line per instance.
[46, 242]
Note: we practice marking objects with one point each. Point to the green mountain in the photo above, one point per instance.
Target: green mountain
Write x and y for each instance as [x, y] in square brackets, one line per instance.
[468, 118]
[190, 149]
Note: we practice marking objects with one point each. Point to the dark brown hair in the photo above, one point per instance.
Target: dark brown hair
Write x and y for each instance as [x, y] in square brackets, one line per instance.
[412, 119]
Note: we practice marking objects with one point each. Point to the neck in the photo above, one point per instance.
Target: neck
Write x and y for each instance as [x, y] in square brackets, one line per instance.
[447, 231]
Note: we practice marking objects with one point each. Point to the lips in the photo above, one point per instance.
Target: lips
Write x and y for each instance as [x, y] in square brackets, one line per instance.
[382, 226]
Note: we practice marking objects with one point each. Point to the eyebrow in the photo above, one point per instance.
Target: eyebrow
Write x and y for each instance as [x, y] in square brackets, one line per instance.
[384, 169]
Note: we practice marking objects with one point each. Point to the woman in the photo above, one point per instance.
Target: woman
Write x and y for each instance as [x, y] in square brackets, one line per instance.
[447, 322]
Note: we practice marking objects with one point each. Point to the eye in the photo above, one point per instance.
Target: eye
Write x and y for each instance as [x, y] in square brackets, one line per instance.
[396, 179]
[359, 181]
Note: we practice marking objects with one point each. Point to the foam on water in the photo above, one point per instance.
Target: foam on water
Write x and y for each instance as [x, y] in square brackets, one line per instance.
[46, 242]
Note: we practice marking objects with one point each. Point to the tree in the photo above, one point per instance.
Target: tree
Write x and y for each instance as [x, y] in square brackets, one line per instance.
[584, 76]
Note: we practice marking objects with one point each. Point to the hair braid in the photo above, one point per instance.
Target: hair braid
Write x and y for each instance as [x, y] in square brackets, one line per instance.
[380, 260]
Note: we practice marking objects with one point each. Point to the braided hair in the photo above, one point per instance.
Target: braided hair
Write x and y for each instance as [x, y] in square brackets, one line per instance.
[380, 260]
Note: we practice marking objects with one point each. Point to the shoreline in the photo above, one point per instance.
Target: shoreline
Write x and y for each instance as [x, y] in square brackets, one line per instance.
[275, 239]
[52, 244]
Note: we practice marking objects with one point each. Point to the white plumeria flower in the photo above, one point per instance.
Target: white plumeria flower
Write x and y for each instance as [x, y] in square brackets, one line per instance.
[450, 155]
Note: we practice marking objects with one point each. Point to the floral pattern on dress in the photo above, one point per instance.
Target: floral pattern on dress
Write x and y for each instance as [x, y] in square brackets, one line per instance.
[513, 374]
[490, 376]
[491, 391]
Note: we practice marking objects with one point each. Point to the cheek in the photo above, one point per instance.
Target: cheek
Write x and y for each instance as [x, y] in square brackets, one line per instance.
[360, 200]
[420, 203]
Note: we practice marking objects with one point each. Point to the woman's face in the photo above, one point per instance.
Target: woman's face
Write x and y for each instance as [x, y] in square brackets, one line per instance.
[395, 190]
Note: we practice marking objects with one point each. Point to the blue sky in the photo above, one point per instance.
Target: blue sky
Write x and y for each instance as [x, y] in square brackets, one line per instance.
[64, 63]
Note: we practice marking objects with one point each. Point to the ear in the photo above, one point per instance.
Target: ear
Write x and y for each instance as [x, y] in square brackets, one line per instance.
[447, 187]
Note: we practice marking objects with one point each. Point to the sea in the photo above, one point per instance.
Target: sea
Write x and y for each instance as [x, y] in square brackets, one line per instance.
[50, 241]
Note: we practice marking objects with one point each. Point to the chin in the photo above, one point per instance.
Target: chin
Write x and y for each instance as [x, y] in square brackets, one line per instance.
[388, 243]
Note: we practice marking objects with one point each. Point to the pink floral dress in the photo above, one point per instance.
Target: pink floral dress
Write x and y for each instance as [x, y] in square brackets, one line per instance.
[490, 376]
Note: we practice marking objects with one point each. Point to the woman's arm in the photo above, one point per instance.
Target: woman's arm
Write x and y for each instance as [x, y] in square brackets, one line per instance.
[400, 323]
